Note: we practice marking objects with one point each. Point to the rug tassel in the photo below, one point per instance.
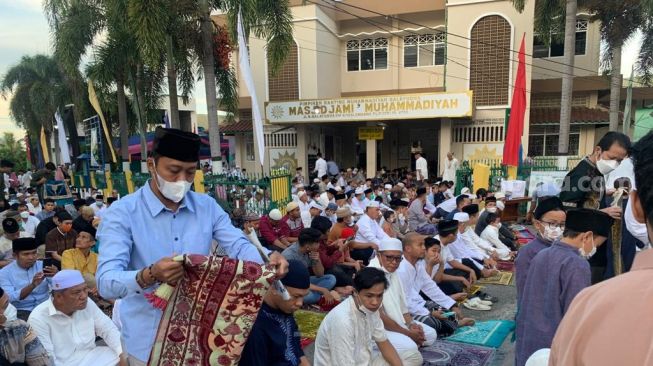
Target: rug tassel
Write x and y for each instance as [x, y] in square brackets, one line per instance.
[160, 297]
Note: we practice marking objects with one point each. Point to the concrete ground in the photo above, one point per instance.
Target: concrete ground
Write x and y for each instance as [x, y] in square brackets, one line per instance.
[502, 310]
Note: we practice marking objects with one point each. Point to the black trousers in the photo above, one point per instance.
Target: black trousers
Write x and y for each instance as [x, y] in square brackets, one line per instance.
[362, 255]
[344, 274]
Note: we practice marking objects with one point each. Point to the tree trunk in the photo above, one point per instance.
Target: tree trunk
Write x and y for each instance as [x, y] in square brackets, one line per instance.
[139, 102]
[615, 88]
[208, 65]
[172, 86]
[122, 120]
[568, 76]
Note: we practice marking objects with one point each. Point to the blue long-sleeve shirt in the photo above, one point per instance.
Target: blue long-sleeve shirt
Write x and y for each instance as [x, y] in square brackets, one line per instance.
[137, 231]
[14, 278]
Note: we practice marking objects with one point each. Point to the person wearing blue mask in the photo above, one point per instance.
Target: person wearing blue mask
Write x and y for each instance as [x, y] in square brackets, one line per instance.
[143, 231]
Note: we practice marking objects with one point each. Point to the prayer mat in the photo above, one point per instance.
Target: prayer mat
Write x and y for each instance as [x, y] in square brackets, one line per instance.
[506, 266]
[444, 353]
[502, 278]
[211, 312]
[489, 333]
[308, 322]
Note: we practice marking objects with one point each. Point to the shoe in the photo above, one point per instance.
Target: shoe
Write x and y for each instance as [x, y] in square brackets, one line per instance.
[487, 297]
[475, 305]
[483, 302]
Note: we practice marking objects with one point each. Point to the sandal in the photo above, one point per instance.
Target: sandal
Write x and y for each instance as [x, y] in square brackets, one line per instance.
[475, 305]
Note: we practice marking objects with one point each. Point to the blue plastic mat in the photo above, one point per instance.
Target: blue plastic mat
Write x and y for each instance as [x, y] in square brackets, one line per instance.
[489, 333]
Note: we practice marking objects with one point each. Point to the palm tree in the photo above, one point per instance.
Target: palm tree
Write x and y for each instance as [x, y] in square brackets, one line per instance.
[37, 90]
[548, 17]
[619, 21]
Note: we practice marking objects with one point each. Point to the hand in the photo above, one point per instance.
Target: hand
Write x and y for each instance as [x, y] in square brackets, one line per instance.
[50, 271]
[342, 244]
[328, 297]
[465, 283]
[37, 279]
[459, 296]
[357, 266]
[437, 314]
[167, 270]
[374, 246]
[417, 335]
[472, 277]
[315, 256]
[280, 263]
[614, 212]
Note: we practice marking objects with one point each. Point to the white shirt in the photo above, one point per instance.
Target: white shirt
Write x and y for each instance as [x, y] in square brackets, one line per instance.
[29, 226]
[369, 231]
[304, 206]
[450, 167]
[341, 182]
[26, 179]
[415, 279]
[358, 206]
[347, 335]
[34, 210]
[70, 340]
[96, 208]
[306, 218]
[394, 297]
[421, 166]
[460, 251]
[320, 167]
[491, 234]
[448, 205]
[475, 243]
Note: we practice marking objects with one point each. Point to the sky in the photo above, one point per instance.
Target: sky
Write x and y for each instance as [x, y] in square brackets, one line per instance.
[24, 31]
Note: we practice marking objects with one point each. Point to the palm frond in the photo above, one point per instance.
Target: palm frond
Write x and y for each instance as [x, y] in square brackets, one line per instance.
[519, 5]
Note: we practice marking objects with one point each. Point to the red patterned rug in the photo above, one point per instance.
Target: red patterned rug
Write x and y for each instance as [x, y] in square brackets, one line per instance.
[211, 312]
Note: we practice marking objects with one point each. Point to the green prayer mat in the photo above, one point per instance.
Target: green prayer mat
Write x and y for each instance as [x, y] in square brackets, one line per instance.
[501, 278]
[308, 322]
[489, 333]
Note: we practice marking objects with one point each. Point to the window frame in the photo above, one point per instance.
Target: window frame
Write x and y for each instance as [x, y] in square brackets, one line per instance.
[436, 40]
[249, 145]
[372, 44]
[549, 131]
[582, 26]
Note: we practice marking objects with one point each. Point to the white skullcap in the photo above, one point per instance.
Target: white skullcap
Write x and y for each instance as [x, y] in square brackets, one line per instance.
[360, 190]
[338, 189]
[501, 205]
[323, 201]
[355, 170]
[316, 180]
[461, 216]
[66, 278]
[373, 204]
[464, 190]
[499, 195]
[316, 205]
[390, 244]
[401, 184]
[406, 199]
[388, 186]
[275, 215]
[291, 206]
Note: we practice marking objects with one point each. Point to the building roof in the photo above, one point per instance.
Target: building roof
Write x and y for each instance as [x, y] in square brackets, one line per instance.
[579, 116]
[236, 127]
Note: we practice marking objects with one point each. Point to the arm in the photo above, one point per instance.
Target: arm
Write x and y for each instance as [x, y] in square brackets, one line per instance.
[457, 265]
[35, 353]
[367, 234]
[432, 291]
[67, 260]
[329, 260]
[42, 330]
[105, 328]
[317, 267]
[232, 239]
[389, 353]
[577, 277]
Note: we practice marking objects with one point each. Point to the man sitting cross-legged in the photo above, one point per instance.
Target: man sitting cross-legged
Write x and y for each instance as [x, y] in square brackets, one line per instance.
[414, 280]
[403, 331]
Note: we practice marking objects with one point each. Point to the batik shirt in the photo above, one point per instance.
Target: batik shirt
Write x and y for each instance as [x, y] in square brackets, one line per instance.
[274, 340]
[19, 345]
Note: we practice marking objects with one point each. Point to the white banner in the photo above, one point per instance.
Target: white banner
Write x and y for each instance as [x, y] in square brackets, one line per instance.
[387, 107]
[246, 72]
[63, 143]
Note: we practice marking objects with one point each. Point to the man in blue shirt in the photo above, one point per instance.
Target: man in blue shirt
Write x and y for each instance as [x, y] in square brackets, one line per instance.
[274, 339]
[25, 280]
[141, 233]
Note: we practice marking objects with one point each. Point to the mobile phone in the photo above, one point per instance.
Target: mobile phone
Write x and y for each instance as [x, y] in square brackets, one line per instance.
[449, 314]
[49, 261]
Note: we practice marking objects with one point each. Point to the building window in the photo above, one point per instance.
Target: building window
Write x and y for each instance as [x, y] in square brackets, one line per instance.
[556, 46]
[424, 50]
[490, 61]
[367, 54]
[249, 147]
[284, 85]
[543, 140]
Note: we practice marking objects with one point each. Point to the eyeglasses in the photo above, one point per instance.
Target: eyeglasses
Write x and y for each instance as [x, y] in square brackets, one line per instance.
[553, 224]
[393, 258]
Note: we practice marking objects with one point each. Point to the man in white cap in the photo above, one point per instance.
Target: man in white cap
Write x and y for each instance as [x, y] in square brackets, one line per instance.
[357, 204]
[369, 233]
[421, 167]
[314, 209]
[273, 231]
[68, 323]
[304, 201]
[257, 202]
[291, 223]
[404, 333]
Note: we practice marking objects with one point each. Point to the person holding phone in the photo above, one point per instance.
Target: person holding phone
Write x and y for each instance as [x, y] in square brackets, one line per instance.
[26, 279]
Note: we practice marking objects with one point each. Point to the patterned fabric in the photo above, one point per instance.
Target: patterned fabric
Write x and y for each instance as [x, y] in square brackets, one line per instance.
[19, 345]
[211, 312]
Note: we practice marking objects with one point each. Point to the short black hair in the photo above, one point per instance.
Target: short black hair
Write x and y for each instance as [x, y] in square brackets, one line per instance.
[387, 214]
[50, 166]
[48, 200]
[63, 215]
[430, 241]
[481, 193]
[643, 167]
[491, 217]
[321, 224]
[460, 199]
[111, 200]
[309, 236]
[368, 277]
[22, 205]
[613, 137]
[569, 233]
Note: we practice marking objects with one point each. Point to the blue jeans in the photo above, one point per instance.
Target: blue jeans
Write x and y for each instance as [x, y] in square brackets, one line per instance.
[327, 281]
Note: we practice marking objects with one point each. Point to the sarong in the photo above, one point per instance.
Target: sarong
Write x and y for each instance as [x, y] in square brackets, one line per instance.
[211, 312]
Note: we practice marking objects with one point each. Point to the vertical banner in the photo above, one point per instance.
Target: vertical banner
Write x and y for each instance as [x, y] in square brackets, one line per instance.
[63, 143]
[96, 105]
[44, 147]
[94, 147]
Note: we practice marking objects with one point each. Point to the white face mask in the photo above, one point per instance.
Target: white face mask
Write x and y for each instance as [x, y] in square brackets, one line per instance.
[174, 191]
[99, 203]
[362, 308]
[500, 205]
[491, 209]
[586, 255]
[606, 166]
[499, 226]
[24, 214]
[552, 233]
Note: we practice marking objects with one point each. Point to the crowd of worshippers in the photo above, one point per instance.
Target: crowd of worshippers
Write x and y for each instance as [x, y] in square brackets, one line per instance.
[50, 309]
[396, 264]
